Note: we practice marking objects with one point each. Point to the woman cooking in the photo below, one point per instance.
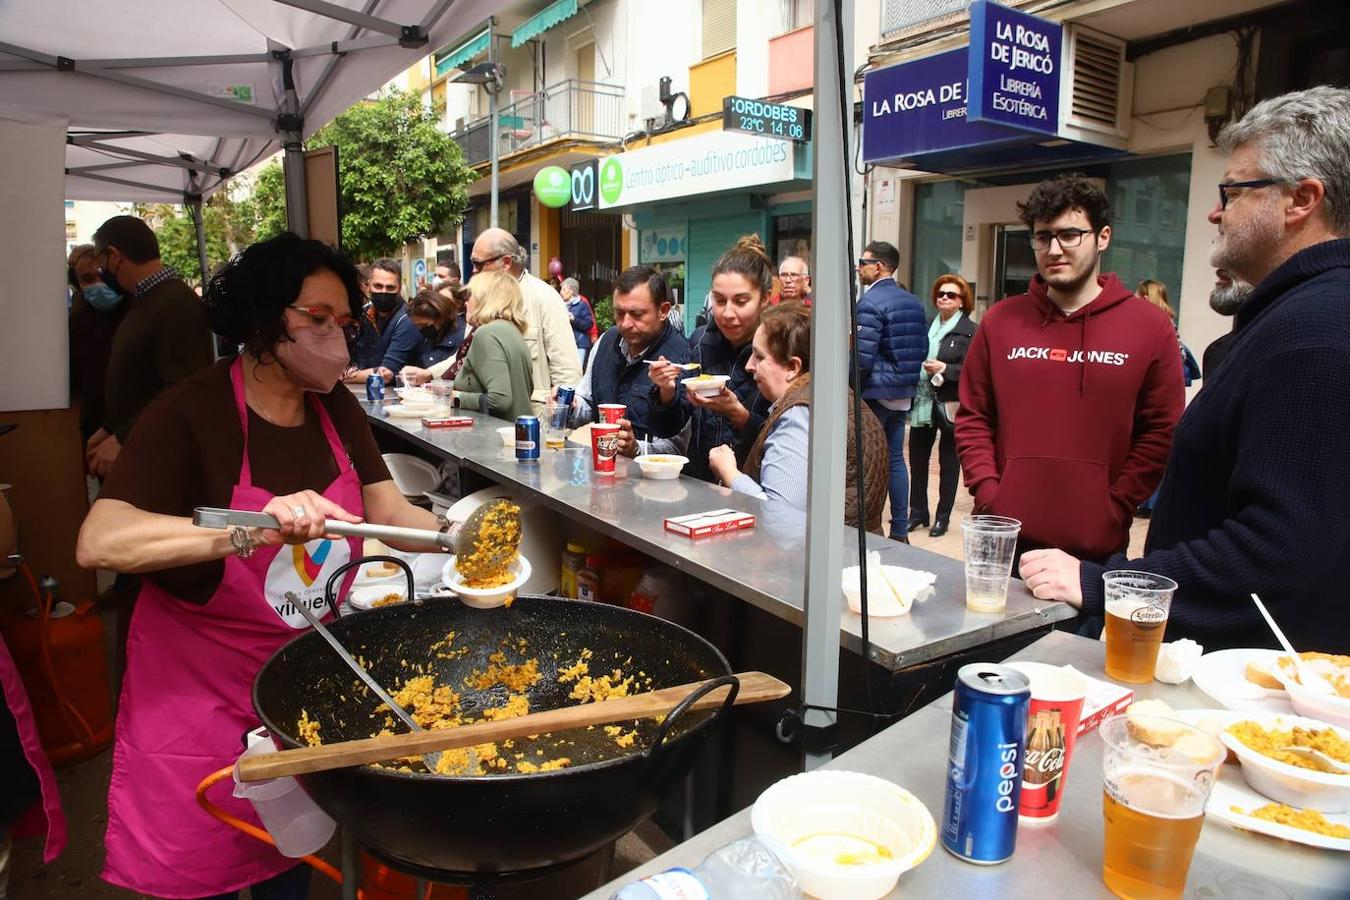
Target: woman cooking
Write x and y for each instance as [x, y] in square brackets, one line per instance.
[272, 430]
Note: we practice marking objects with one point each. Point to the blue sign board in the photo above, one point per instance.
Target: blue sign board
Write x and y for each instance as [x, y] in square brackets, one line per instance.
[1014, 68]
[919, 107]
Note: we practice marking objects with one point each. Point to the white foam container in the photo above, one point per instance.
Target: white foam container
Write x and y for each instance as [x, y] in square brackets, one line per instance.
[1281, 782]
[486, 598]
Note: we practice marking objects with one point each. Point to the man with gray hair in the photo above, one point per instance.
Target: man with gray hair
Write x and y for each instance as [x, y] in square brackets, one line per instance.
[1256, 493]
[795, 277]
[1226, 299]
[581, 316]
[548, 334]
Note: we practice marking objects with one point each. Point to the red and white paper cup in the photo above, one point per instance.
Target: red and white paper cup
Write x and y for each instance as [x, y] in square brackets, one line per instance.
[604, 447]
[1056, 706]
[611, 412]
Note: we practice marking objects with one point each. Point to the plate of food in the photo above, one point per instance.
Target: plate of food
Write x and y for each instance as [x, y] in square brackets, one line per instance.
[407, 410]
[1233, 802]
[1264, 745]
[705, 385]
[1241, 679]
[378, 572]
[373, 596]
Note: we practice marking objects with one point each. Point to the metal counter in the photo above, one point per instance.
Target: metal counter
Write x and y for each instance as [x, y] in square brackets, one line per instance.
[763, 566]
[1063, 859]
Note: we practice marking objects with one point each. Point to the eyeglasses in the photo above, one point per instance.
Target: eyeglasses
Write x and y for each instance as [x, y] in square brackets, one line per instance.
[867, 262]
[790, 276]
[322, 318]
[1068, 238]
[1225, 189]
[949, 295]
[478, 264]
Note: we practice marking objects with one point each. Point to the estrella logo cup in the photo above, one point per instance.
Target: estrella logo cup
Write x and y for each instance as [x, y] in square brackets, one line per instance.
[303, 570]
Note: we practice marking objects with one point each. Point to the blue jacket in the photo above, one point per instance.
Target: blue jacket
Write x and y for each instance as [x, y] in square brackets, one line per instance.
[400, 343]
[717, 357]
[582, 321]
[892, 341]
[615, 380]
[445, 347]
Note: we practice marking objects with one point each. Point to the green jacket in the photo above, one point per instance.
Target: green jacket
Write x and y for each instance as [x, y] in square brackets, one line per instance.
[496, 376]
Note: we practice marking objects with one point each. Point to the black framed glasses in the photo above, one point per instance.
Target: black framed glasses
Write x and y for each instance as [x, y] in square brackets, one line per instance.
[1225, 187]
[479, 264]
[1068, 238]
[949, 295]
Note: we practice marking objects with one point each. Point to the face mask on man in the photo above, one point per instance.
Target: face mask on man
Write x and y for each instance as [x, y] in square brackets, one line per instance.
[385, 301]
[314, 359]
[102, 297]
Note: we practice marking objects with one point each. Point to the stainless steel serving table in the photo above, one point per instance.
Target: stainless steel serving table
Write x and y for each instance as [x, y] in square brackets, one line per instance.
[1062, 859]
[763, 566]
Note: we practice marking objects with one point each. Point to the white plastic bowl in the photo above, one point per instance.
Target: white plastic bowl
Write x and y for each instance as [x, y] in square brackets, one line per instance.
[1331, 708]
[705, 386]
[851, 803]
[508, 436]
[1281, 782]
[881, 601]
[661, 466]
[366, 597]
[486, 598]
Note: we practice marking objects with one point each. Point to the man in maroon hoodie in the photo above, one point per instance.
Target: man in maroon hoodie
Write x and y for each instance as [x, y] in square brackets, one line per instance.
[1070, 392]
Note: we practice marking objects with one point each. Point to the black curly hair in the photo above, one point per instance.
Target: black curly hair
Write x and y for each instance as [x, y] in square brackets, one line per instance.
[246, 300]
[1054, 196]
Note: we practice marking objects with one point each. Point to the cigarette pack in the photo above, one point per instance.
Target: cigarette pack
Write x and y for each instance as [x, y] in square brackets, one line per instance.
[449, 422]
[1104, 699]
[711, 522]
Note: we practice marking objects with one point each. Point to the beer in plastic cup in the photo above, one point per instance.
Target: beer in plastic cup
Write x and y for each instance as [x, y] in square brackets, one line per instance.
[611, 412]
[604, 447]
[1153, 799]
[555, 425]
[1137, 605]
[1056, 706]
[990, 545]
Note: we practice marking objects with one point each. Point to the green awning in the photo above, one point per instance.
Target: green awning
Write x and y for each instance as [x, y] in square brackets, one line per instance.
[543, 20]
[456, 58]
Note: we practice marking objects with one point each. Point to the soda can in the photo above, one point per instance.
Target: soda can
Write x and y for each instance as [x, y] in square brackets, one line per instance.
[566, 394]
[984, 766]
[374, 387]
[527, 438]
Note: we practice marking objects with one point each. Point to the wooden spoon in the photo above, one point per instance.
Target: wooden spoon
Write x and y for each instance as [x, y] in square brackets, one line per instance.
[756, 687]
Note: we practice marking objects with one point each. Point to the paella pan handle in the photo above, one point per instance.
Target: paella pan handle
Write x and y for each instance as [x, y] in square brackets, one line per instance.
[330, 589]
[694, 697]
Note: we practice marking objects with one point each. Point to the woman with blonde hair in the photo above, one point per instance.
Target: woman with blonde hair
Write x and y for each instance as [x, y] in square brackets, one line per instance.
[492, 371]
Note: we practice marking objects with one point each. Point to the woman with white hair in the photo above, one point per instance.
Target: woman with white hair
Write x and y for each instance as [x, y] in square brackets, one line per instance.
[581, 316]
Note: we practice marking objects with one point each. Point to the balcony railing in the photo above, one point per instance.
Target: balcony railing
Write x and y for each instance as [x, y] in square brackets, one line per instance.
[571, 109]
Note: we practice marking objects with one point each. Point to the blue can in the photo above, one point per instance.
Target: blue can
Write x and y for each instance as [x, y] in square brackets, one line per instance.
[564, 400]
[374, 387]
[984, 769]
[527, 438]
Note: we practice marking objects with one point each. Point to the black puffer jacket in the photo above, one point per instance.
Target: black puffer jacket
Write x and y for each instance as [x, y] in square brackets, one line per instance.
[708, 429]
[952, 351]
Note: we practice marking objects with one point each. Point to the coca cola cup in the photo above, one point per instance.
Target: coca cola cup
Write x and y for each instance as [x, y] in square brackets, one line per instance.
[604, 447]
[611, 412]
[1056, 707]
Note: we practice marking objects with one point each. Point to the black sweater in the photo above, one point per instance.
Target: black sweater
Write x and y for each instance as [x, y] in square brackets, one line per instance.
[1256, 495]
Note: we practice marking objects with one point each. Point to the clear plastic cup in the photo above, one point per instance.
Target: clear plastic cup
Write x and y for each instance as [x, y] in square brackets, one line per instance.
[555, 425]
[990, 546]
[293, 820]
[1137, 607]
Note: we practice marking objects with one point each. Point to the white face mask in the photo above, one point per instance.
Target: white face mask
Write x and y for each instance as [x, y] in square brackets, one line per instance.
[315, 359]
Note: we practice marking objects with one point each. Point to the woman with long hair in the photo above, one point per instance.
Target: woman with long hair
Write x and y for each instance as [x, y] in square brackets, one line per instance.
[493, 373]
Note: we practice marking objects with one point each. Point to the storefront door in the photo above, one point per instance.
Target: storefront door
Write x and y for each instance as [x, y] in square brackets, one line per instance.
[1014, 261]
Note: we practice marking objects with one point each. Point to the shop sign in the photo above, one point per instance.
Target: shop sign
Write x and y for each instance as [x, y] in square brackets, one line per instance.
[662, 245]
[1014, 68]
[585, 187]
[920, 107]
[553, 186]
[717, 161]
[777, 120]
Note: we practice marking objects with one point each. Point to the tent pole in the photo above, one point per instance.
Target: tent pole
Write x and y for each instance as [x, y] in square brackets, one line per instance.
[292, 141]
[193, 201]
[494, 137]
[829, 363]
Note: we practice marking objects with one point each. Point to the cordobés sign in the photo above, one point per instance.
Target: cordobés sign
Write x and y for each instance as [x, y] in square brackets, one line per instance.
[768, 119]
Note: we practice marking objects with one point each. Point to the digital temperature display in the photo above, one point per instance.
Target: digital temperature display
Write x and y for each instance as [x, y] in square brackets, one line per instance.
[771, 120]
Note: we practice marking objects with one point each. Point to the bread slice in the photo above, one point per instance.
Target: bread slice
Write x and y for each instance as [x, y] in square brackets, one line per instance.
[1259, 674]
[1151, 731]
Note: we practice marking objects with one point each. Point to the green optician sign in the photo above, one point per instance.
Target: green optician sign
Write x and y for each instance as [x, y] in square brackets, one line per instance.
[611, 180]
[553, 186]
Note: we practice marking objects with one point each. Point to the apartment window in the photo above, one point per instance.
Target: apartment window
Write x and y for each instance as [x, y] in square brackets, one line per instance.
[801, 13]
[719, 27]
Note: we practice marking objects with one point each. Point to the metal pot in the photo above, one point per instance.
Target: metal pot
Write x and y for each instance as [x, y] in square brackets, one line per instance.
[493, 825]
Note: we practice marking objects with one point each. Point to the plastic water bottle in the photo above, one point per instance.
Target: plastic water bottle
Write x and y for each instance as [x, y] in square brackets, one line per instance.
[747, 869]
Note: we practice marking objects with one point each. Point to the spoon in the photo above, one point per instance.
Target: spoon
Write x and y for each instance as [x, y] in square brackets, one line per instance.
[430, 760]
[1320, 760]
[688, 367]
[476, 552]
[755, 687]
[1306, 676]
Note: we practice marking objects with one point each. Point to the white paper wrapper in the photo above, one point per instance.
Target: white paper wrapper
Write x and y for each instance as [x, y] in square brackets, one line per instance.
[1177, 660]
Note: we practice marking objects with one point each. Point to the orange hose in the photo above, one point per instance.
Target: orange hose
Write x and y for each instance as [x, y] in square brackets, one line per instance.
[253, 830]
[67, 709]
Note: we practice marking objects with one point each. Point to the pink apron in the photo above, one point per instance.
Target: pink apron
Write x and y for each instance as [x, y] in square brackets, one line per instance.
[45, 817]
[186, 701]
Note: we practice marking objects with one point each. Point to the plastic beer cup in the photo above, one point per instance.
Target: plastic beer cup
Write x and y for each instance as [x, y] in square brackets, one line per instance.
[990, 544]
[555, 425]
[1157, 775]
[1137, 606]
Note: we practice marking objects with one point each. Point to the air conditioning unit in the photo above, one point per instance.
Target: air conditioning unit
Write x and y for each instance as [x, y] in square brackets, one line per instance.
[1097, 88]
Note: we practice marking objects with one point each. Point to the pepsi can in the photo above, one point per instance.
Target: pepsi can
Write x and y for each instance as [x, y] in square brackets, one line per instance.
[527, 438]
[984, 766]
[374, 387]
[564, 401]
